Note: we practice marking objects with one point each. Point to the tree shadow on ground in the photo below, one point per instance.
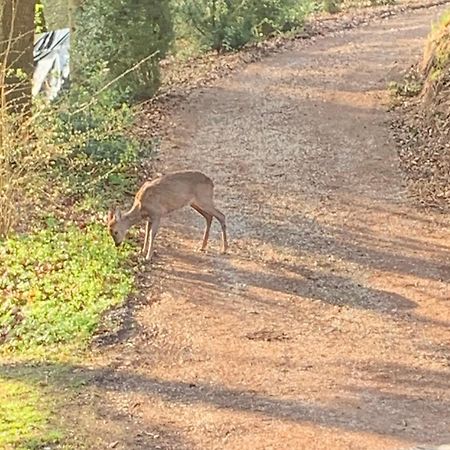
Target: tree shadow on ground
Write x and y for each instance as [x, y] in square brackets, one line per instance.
[410, 415]
[213, 275]
[83, 421]
[294, 280]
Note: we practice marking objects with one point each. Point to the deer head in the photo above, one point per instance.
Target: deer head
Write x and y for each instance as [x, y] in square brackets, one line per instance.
[117, 227]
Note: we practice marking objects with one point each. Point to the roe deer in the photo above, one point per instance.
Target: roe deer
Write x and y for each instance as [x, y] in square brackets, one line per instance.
[155, 199]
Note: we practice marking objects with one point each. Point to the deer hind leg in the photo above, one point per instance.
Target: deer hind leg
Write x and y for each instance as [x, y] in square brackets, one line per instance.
[208, 217]
[209, 208]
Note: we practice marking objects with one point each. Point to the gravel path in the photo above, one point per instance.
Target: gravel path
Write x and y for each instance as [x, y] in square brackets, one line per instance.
[327, 325]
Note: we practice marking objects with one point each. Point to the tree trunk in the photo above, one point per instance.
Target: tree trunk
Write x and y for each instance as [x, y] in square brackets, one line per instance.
[74, 6]
[16, 53]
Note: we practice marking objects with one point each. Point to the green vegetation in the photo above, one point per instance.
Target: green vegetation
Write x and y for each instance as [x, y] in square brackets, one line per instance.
[332, 6]
[99, 155]
[24, 419]
[228, 25]
[56, 13]
[113, 36]
[225, 25]
[61, 165]
[39, 19]
[437, 51]
[59, 272]
[409, 87]
[55, 294]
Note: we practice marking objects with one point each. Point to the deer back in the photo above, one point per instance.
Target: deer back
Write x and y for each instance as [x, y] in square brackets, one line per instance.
[172, 192]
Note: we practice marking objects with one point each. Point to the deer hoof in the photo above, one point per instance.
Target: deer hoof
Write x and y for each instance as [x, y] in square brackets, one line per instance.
[150, 257]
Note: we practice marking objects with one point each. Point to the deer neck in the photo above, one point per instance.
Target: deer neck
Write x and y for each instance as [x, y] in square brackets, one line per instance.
[133, 216]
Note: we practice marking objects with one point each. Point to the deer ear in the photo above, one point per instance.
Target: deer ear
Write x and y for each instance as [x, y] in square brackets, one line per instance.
[117, 214]
[110, 215]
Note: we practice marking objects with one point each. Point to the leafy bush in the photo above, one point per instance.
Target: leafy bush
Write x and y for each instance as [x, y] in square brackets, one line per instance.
[437, 51]
[25, 152]
[39, 19]
[230, 24]
[116, 35]
[346, 4]
[77, 148]
[100, 152]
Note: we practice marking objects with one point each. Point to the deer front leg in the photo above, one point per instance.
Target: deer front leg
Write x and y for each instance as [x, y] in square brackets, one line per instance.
[153, 231]
[147, 235]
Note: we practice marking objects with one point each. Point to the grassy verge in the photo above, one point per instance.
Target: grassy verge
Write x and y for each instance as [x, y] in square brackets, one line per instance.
[55, 285]
[59, 269]
[36, 406]
[25, 416]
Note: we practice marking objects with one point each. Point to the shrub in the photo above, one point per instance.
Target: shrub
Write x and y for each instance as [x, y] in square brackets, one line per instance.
[437, 51]
[230, 24]
[114, 35]
[25, 152]
[346, 4]
[94, 130]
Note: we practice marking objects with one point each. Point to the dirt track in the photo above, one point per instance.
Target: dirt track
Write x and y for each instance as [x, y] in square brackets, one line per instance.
[327, 325]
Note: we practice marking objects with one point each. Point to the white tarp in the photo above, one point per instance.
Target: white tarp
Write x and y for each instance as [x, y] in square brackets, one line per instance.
[51, 59]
